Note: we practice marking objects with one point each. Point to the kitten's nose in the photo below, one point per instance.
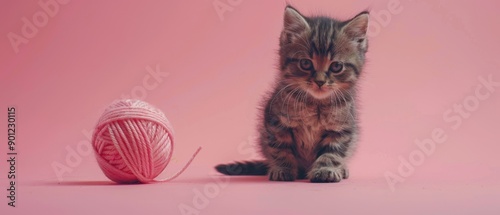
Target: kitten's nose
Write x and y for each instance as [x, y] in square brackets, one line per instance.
[320, 82]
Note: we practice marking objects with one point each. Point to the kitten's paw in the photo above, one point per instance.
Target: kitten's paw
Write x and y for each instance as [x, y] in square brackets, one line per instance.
[328, 174]
[278, 174]
[345, 172]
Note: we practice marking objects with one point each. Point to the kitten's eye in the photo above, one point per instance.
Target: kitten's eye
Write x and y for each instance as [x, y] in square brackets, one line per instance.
[336, 67]
[306, 64]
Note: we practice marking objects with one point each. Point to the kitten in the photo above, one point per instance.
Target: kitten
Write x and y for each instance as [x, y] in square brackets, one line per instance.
[309, 126]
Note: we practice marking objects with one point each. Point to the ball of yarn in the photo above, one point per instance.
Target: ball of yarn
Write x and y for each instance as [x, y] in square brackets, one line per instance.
[133, 142]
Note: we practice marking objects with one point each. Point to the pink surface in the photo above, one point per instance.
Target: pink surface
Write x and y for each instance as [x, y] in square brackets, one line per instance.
[429, 117]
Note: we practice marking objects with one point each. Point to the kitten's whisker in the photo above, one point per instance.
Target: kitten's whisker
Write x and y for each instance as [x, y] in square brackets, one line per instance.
[296, 103]
[332, 104]
[352, 100]
[276, 95]
[302, 101]
[346, 116]
[335, 106]
[287, 98]
[332, 97]
[338, 103]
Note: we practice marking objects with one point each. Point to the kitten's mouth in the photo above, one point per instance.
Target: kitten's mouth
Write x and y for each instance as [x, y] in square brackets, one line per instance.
[319, 93]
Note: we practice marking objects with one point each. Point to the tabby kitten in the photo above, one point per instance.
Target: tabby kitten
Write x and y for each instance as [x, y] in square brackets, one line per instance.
[309, 126]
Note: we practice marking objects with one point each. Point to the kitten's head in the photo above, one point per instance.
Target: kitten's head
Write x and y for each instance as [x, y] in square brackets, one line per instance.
[322, 55]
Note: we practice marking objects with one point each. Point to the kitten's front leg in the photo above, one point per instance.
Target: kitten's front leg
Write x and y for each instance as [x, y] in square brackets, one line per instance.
[279, 148]
[330, 165]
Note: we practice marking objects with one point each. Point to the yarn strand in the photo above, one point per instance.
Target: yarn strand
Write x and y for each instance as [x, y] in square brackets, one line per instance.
[182, 170]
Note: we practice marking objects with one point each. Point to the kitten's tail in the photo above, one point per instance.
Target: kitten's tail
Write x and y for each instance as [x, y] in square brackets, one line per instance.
[243, 168]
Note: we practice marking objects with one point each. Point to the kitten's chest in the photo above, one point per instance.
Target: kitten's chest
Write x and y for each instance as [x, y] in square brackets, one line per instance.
[307, 136]
[310, 124]
[312, 120]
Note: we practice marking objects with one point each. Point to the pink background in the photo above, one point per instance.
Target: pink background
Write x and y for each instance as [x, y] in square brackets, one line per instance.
[422, 62]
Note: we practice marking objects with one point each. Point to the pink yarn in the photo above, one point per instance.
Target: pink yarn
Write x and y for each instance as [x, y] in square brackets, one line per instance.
[133, 142]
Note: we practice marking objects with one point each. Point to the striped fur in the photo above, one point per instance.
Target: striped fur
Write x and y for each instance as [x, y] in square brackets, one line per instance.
[309, 122]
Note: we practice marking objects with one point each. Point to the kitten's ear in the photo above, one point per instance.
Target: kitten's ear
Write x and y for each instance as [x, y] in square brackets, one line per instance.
[357, 27]
[294, 22]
